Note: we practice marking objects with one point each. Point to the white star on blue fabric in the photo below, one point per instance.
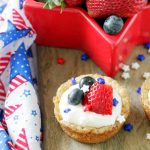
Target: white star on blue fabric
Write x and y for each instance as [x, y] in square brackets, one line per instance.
[26, 93]
[34, 113]
[13, 35]
[19, 64]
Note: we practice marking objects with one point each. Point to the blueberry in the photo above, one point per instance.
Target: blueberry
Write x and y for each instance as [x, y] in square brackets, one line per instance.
[75, 97]
[113, 25]
[86, 81]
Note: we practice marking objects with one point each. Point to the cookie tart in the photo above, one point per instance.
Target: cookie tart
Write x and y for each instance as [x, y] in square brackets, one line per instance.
[91, 108]
[145, 96]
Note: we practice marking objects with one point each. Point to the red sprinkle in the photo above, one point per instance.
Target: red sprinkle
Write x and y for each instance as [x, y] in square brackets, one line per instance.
[60, 61]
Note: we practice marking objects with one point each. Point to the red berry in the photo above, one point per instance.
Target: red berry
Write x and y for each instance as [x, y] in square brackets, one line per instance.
[99, 99]
[60, 61]
[123, 8]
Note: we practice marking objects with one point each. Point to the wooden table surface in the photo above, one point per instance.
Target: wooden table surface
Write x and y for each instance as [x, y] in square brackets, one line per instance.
[51, 75]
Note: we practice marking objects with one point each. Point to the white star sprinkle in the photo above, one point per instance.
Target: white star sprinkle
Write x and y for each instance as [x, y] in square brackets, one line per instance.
[85, 88]
[135, 65]
[146, 75]
[125, 75]
[125, 68]
[148, 136]
[121, 118]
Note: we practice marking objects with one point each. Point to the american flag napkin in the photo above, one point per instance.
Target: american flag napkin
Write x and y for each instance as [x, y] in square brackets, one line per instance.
[20, 120]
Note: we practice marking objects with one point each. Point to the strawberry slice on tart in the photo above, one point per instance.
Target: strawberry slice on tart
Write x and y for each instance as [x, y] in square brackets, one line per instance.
[99, 99]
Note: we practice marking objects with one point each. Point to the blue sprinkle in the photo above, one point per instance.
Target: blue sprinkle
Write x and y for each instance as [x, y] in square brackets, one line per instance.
[128, 127]
[73, 80]
[84, 57]
[115, 102]
[138, 90]
[147, 45]
[141, 57]
[67, 110]
[101, 80]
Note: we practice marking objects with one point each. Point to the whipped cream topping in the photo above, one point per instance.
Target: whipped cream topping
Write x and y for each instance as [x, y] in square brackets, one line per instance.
[77, 116]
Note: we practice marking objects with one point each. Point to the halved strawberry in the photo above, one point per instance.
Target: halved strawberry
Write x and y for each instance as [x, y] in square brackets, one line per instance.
[99, 99]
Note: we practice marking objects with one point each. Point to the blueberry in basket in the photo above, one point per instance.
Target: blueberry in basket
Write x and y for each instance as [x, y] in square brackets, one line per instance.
[86, 81]
[75, 97]
[113, 24]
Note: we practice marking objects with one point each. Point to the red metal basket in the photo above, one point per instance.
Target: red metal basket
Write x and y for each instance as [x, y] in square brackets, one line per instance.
[74, 28]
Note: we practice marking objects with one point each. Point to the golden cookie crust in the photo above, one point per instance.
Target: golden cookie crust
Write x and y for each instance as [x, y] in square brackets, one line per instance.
[91, 134]
[144, 97]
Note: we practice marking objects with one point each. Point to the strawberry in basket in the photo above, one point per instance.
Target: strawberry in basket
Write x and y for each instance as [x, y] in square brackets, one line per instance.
[123, 8]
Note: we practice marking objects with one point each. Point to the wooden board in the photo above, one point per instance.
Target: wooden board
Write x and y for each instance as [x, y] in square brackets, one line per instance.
[51, 75]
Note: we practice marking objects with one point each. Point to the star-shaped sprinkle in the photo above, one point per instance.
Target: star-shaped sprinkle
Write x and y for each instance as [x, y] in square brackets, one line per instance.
[26, 93]
[138, 90]
[60, 61]
[146, 75]
[147, 45]
[67, 110]
[37, 138]
[128, 127]
[135, 65]
[101, 80]
[85, 88]
[34, 113]
[73, 81]
[125, 68]
[84, 57]
[115, 102]
[125, 75]
[141, 57]
[121, 118]
[148, 136]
